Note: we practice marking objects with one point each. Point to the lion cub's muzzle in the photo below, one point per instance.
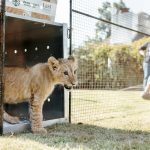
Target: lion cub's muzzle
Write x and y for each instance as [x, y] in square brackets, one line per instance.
[70, 86]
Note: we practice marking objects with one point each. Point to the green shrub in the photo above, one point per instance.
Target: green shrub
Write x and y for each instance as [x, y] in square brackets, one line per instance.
[102, 65]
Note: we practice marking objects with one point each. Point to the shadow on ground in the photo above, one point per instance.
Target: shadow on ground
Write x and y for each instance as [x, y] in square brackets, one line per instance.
[88, 137]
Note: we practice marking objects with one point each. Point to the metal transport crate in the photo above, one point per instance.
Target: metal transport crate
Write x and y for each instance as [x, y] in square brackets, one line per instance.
[30, 41]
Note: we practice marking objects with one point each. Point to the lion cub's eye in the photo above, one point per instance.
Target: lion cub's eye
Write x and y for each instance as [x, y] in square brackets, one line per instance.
[66, 73]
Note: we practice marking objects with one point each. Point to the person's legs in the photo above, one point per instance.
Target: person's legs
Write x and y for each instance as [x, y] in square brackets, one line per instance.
[146, 81]
[146, 69]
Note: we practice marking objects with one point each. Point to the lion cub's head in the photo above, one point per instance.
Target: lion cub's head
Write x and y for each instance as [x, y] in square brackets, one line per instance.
[64, 71]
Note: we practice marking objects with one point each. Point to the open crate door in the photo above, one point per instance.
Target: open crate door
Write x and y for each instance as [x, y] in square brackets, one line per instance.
[28, 43]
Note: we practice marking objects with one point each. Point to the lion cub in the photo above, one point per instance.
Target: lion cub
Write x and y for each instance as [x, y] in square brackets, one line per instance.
[35, 84]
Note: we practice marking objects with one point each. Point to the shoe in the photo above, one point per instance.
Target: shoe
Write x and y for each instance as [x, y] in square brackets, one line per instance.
[145, 96]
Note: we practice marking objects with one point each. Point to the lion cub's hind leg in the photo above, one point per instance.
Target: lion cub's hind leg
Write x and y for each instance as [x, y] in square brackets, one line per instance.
[10, 119]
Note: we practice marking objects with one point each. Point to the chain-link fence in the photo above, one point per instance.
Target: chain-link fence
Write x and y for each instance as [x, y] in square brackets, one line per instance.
[105, 39]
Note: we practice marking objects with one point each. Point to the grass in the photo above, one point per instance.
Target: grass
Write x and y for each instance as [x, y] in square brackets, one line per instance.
[111, 120]
[121, 108]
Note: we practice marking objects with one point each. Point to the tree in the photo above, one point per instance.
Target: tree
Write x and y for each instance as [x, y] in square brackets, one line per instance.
[103, 30]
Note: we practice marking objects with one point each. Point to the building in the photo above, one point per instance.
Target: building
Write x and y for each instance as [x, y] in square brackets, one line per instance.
[139, 22]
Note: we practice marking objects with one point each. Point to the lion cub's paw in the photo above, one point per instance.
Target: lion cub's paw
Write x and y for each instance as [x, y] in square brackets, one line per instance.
[10, 119]
[14, 120]
[39, 131]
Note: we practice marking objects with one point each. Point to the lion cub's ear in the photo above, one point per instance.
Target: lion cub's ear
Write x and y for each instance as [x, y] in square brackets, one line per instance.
[73, 59]
[53, 63]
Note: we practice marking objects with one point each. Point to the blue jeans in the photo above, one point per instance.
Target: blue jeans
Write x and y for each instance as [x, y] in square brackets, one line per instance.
[146, 69]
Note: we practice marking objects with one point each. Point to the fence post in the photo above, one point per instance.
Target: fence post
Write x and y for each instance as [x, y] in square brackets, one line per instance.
[70, 52]
[2, 54]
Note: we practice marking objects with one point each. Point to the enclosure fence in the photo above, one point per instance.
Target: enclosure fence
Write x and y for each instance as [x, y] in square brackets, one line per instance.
[110, 70]
[2, 49]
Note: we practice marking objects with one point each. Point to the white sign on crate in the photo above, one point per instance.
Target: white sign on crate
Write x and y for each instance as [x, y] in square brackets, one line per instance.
[40, 9]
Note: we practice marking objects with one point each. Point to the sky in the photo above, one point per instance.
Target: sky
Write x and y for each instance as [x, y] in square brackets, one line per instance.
[138, 5]
[62, 13]
[84, 27]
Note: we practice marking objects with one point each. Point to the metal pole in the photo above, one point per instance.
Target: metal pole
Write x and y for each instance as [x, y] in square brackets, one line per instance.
[70, 36]
[70, 52]
[2, 54]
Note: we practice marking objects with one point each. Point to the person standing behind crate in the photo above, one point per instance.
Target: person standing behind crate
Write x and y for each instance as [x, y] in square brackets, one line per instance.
[144, 50]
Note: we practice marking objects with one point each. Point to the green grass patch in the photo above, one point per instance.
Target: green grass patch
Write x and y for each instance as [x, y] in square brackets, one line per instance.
[112, 120]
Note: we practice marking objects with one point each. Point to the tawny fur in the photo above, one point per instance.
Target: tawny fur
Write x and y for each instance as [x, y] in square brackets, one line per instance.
[35, 84]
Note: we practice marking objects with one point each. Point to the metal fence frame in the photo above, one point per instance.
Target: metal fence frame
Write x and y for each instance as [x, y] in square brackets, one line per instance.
[2, 55]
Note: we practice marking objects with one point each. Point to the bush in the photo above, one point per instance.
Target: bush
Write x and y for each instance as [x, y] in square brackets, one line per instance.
[109, 66]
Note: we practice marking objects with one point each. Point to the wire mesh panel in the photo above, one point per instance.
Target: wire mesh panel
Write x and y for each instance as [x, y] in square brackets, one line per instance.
[110, 70]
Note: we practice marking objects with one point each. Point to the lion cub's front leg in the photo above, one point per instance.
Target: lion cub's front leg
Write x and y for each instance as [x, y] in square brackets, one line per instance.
[36, 116]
